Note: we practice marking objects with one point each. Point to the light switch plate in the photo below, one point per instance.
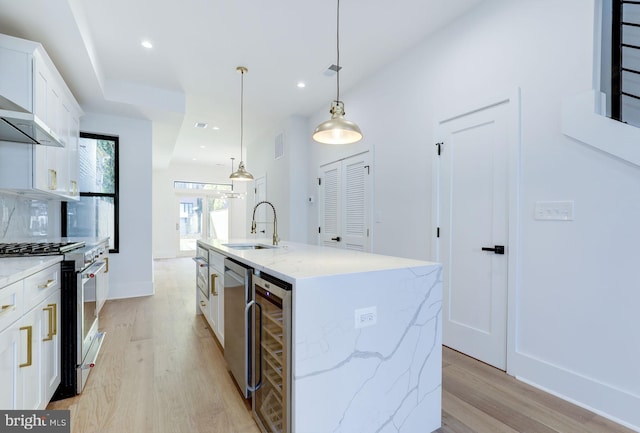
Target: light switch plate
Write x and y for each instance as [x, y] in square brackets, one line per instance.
[554, 211]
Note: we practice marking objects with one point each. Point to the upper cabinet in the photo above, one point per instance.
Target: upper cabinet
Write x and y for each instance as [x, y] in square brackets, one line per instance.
[39, 124]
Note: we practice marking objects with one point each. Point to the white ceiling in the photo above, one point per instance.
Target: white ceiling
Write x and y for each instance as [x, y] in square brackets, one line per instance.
[190, 74]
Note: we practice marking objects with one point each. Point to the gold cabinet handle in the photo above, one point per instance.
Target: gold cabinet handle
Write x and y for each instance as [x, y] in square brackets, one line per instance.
[74, 188]
[49, 309]
[214, 292]
[29, 330]
[48, 284]
[55, 318]
[6, 309]
[106, 259]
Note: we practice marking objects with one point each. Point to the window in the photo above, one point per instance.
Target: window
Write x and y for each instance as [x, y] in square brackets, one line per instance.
[620, 56]
[96, 214]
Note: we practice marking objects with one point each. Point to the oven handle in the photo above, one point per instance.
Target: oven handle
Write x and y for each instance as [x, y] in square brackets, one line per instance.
[93, 270]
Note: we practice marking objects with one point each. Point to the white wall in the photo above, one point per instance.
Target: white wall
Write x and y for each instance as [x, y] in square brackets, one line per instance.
[131, 270]
[287, 178]
[575, 319]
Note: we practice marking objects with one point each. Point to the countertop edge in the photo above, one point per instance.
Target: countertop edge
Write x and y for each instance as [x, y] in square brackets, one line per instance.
[279, 263]
[13, 269]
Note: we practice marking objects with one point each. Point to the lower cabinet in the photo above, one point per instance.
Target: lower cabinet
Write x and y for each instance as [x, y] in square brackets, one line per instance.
[216, 303]
[102, 283]
[10, 391]
[51, 344]
[212, 307]
[30, 346]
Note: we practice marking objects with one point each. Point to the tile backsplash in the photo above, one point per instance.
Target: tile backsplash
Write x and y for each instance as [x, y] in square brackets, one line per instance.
[24, 218]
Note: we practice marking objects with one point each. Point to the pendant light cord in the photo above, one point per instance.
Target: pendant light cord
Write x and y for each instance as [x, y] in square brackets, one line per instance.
[241, 111]
[338, 53]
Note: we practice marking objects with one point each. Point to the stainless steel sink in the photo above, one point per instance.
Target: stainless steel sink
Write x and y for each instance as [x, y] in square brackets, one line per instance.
[249, 246]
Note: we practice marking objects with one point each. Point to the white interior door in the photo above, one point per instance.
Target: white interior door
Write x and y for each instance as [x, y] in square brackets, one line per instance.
[344, 208]
[473, 214]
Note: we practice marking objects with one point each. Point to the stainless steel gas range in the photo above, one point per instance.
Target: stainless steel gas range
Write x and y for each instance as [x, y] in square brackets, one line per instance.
[84, 267]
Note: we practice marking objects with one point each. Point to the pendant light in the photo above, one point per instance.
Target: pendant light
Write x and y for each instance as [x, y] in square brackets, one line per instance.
[241, 174]
[337, 130]
[232, 193]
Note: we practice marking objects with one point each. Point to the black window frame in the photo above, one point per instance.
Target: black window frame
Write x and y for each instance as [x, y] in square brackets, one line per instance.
[115, 195]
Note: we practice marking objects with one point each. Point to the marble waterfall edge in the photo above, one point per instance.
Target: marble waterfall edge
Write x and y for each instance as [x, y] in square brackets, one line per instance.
[382, 378]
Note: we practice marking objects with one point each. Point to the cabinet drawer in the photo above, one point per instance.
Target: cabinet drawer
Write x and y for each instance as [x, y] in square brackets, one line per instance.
[216, 261]
[203, 304]
[38, 286]
[11, 304]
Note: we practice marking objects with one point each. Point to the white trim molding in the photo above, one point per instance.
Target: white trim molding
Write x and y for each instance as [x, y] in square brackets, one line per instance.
[582, 120]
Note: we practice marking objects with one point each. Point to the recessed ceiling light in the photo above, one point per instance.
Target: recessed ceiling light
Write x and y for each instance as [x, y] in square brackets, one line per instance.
[146, 44]
[216, 128]
[194, 159]
[202, 146]
[200, 125]
[301, 85]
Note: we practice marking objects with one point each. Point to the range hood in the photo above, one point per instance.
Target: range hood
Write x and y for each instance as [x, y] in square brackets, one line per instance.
[18, 126]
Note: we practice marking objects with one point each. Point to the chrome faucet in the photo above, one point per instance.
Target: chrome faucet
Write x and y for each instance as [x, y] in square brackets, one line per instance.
[275, 221]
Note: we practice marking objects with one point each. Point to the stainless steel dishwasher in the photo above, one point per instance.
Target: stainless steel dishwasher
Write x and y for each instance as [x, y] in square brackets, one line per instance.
[237, 323]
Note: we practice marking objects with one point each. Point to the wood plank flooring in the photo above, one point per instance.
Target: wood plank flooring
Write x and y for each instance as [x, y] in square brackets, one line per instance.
[161, 370]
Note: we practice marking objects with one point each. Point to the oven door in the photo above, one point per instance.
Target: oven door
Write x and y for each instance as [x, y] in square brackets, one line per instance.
[90, 340]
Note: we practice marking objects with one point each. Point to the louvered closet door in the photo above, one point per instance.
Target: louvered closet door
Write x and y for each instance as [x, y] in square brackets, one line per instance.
[330, 209]
[344, 203]
[355, 228]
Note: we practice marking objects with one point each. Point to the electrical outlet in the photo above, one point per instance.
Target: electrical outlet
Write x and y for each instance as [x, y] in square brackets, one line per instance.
[366, 317]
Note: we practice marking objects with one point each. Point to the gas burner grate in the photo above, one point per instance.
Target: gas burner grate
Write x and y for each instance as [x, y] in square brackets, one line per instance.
[37, 248]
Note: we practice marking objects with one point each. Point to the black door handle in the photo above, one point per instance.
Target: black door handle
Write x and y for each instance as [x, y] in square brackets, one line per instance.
[337, 239]
[498, 249]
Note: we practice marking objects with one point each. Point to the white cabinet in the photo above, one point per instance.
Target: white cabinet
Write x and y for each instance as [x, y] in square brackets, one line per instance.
[30, 341]
[30, 361]
[12, 305]
[51, 344]
[211, 306]
[102, 282]
[35, 86]
[216, 302]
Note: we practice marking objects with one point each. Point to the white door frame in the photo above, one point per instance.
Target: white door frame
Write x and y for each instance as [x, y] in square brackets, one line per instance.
[514, 195]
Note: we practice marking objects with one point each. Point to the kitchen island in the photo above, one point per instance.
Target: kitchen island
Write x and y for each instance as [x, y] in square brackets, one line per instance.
[366, 334]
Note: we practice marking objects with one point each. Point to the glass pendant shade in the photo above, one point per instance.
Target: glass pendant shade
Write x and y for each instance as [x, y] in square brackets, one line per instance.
[337, 130]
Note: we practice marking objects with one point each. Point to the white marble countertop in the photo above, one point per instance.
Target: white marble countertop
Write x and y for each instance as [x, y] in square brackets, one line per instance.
[292, 261]
[13, 269]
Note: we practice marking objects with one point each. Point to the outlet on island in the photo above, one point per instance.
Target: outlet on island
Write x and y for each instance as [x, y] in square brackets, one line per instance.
[366, 317]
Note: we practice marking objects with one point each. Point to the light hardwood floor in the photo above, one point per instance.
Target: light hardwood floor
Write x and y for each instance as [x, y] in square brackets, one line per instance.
[161, 371]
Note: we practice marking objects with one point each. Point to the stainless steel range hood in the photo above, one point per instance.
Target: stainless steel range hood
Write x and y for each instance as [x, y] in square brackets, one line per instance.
[18, 126]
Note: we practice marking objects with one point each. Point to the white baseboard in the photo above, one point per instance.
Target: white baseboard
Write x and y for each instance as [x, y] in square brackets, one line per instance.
[603, 399]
